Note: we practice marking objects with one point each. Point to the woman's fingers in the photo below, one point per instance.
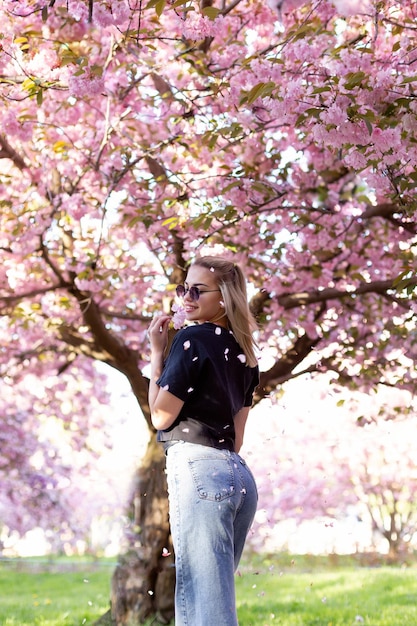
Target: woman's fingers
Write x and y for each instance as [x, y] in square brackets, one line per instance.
[158, 328]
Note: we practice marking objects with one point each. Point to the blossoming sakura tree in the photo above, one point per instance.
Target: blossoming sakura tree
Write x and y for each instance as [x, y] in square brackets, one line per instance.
[135, 135]
[50, 450]
[314, 466]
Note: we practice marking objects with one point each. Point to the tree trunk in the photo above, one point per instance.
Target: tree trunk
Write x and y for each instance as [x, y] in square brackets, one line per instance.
[144, 579]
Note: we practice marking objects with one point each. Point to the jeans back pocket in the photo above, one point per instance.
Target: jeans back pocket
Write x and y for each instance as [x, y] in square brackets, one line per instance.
[213, 477]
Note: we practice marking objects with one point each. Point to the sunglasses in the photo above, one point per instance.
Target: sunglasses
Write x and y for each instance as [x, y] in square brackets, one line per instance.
[194, 292]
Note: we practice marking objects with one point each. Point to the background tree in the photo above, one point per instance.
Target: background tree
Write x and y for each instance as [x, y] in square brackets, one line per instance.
[384, 479]
[54, 445]
[135, 137]
[314, 465]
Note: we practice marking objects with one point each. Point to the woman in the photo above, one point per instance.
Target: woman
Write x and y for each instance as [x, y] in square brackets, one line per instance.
[200, 400]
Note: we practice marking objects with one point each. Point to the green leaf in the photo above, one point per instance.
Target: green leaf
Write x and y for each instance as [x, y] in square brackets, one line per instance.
[259, 91]
[21, 41]
[300, 120]
[313, 112]
[213, 137]
[321, 89]
[368, 125]
[409, 79]
[262, 188]
[230, 186]
[402, 280]
[159, 7]
[60, 146]
[97, 70]
[171, 222]
[211, 12]
[354, 79]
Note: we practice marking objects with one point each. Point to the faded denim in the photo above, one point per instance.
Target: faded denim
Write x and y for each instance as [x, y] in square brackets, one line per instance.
[212, 499]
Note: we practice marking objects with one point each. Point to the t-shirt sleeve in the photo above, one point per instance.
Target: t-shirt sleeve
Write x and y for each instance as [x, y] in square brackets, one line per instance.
[252, 387]
[183, 366]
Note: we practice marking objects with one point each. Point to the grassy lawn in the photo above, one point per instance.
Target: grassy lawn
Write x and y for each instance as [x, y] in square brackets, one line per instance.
[278, 590]
[319, 595]
[58, 593]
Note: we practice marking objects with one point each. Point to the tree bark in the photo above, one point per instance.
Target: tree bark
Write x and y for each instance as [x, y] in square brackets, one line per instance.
[144, 579]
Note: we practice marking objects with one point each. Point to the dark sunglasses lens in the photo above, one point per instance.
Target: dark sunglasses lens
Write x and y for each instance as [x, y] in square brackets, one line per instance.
[194, 293]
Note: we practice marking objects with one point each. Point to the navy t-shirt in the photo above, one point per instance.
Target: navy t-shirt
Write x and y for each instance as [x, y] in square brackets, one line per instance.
[206, 368]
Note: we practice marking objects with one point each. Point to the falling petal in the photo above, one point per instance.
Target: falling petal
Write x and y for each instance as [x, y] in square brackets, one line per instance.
[166, 552]
[195, 358]
[190, 389]
[185, 430]
[165, 387]
[218, 330]
[186, 345]
[242, 358]
[212, 269]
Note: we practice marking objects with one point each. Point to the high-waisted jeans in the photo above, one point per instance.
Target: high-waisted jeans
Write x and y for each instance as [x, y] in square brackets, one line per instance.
[212, 500]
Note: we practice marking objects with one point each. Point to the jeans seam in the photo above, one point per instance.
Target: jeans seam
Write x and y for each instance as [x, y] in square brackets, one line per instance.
[178, 558]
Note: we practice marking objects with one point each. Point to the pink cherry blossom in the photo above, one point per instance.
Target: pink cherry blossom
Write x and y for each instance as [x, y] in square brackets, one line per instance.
[178, 319]
[352, 7]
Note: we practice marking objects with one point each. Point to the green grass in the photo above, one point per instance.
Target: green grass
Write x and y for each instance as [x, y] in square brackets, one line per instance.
[337, 596]
[58, 593]
[271, 591]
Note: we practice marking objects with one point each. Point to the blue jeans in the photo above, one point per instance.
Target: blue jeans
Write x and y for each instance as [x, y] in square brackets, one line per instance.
[212, 501]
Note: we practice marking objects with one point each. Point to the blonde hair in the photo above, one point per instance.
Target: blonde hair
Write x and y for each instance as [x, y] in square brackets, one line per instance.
[232, 285]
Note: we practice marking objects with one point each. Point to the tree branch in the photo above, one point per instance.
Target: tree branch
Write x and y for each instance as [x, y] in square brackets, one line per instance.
[107, 347]
[283, 369]
[7, 152]
[293, 300]
[30, 294]
[387, 211]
